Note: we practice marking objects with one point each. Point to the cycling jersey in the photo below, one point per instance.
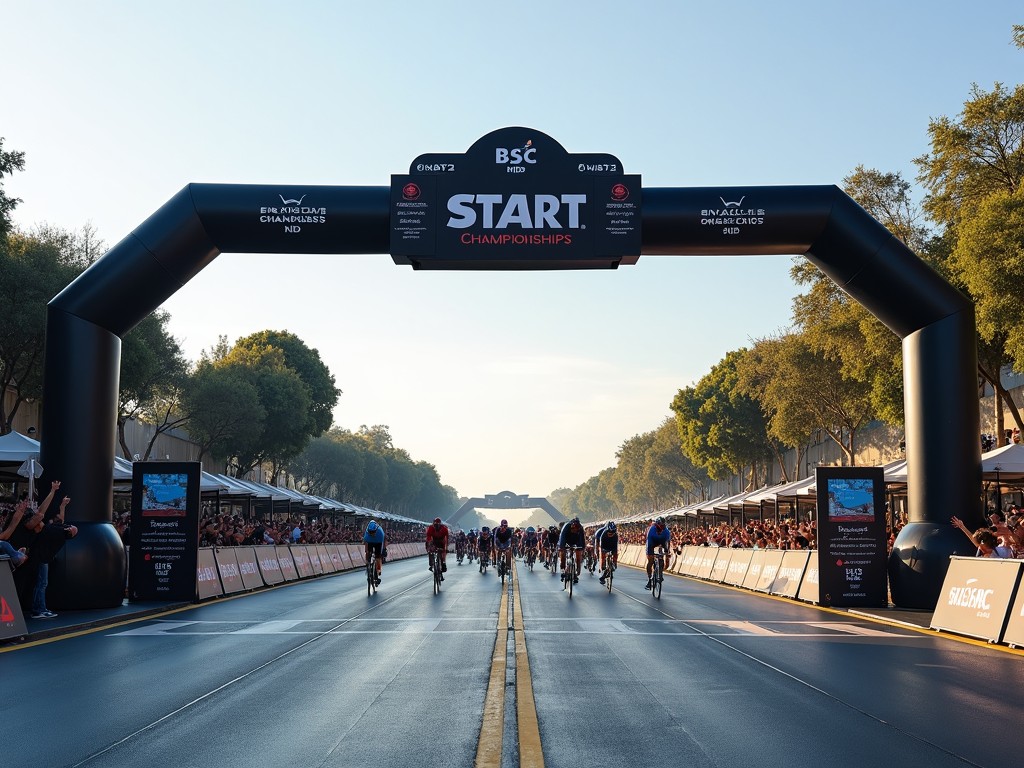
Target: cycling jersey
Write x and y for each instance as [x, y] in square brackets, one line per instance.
[656, 539]
[608, 541]
[437, 535]
[571, 538]
[484, 542]
[502, 538]
[377, 537]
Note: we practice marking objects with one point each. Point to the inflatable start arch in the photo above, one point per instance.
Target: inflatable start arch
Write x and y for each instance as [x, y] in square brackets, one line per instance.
[515, 200]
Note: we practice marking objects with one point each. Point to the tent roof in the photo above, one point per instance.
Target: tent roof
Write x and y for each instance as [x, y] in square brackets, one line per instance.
[1008, 461]
[16, 447]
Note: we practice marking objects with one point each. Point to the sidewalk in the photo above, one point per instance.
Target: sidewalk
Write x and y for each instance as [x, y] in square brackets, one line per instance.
[67, 622]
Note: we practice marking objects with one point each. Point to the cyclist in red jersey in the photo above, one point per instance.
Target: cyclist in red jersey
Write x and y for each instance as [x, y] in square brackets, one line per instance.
[437, 539]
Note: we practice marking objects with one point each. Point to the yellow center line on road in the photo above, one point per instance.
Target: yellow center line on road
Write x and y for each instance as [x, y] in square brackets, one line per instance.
[530, 753]
[488, 749]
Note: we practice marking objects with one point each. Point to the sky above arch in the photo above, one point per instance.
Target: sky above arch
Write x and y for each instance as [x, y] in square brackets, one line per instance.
[504, 381]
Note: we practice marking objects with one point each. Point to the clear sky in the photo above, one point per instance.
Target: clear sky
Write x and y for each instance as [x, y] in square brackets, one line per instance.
[523, 381]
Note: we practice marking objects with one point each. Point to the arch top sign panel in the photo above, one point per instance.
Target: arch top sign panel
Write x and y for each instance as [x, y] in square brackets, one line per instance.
[515, 200]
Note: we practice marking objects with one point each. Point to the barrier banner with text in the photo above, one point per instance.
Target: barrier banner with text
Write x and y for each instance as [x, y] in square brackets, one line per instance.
[207, 580]
[12, 622]
[851, 536]
[164, 549]
[975, 596]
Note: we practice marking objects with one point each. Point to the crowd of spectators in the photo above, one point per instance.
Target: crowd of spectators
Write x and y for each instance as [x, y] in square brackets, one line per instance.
[756, 534]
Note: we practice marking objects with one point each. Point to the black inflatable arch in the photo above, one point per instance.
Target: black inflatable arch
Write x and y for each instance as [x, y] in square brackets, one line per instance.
[507, 500]
[86, 321]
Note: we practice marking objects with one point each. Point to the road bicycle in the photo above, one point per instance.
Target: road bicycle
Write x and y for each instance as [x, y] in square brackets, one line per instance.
[531, 558]
[484, 562]
[609, 571]
[590, 561]
[501, 566]
[435, 566]
[460, 553]
[657, 573]
[553, 561]
[571, 572]
[371, 573]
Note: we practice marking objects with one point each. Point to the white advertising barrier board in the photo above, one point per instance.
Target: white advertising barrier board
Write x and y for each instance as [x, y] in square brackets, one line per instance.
[738, 566]
[314, 559]
[754, 569]
[787, 580]
[302, 563]
[1014, 634]
[772, 563]
[976, 596]
[692, 567]
[227, 567]
[721, 565]
[284, 559]
[207, 580]
[270, 568]
[325, 559]
[249, 568]
[809, 590]
[707, 564]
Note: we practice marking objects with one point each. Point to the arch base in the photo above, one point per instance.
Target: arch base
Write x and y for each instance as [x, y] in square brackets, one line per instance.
[919, 560]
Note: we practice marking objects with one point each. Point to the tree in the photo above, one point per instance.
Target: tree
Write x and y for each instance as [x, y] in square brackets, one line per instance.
[306, 362]
[153, 371]
[285, 401]
[803, 390]
[224, 410]
[978, 156]
[974, 156]
[9, 163]
[32, 271]
[722, 430]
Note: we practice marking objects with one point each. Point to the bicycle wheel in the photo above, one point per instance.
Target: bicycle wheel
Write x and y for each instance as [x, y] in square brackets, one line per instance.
[609, 576]
[371, 584]
[570, 572]
[656, 580]
[437, 574]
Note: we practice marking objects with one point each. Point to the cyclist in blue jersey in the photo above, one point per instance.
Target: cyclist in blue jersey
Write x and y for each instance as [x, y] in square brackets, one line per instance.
[658, 535]
[373, 537]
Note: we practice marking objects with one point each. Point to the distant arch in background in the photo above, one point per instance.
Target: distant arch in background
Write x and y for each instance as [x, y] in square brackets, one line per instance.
[507, 500]
[86, 321]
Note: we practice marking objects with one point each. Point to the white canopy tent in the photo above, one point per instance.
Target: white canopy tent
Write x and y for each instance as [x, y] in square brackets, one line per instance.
[15, 448]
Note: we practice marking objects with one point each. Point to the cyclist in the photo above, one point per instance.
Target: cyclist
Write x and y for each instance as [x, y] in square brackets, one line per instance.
[484, 544]
[530, 543]
[607, 543]
[658, 535]
[437, 540]
[471, 544]
[503, 536]
[373, 537]
[550, 545]
[572, 535]
[460, 545]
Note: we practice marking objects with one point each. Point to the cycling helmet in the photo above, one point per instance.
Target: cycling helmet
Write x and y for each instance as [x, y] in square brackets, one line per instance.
[372, 527]
[552, 527]
[437, 521]
[504, 523]
[485, 529]
[660, 522]
[611, 527]
[531, 529]
[575, 521]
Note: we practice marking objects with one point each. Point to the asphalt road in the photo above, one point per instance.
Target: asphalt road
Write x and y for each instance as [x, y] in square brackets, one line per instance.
[319, 674]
